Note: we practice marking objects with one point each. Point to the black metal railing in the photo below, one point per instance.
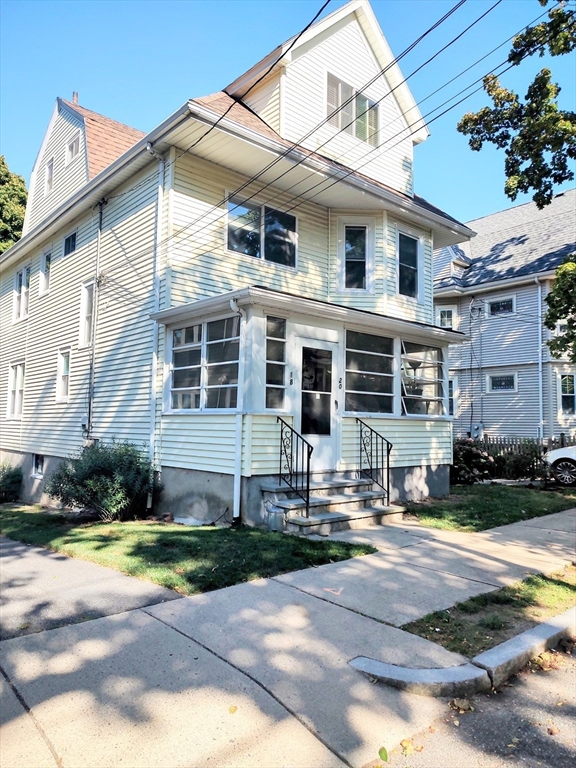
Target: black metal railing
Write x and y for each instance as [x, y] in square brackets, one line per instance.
[295, 453]
[374, 457]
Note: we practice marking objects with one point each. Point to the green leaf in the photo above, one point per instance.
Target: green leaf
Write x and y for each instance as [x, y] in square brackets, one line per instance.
[383, 754]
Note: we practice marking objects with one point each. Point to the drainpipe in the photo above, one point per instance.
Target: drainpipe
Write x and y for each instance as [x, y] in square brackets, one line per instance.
[95, 301]
[540, 388]
[156, 301]
[240, 412]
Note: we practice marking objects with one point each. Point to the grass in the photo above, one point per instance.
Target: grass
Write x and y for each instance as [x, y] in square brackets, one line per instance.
[478, 507]
[188, 560]
[487, 620]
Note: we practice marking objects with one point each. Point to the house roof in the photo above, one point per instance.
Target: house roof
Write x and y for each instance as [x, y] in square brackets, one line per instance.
[241, 114]
[516, 243]
[106, 139]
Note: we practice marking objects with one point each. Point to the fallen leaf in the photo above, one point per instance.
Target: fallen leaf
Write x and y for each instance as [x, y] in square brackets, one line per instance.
[407, 747]
[418, 749]
[456, 723]
[559, 703]
[383, 754]
[232, 710]
[553, 731]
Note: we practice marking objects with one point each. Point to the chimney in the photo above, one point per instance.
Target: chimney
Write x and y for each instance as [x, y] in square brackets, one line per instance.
[75, 97]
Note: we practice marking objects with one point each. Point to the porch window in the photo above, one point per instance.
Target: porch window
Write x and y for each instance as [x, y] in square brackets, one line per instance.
[205, 365]
[369, 373]
[262, 232]
[275, 362]
[568, 394]
[422, 380]
[407, 265]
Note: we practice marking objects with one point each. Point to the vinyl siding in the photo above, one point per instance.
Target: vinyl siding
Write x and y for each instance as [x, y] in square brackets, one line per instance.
[67, 178]
[204, 441]
[265, 101]
[346, 54]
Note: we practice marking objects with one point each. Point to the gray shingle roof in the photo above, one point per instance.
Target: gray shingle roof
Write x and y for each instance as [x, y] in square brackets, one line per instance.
[517, 242]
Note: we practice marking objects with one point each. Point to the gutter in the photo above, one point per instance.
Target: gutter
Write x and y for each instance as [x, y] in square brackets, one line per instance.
[495, 285]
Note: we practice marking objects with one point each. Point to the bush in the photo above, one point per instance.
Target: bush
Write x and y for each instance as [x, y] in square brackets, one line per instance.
[10, 482]
[114, 479]
[471, 463]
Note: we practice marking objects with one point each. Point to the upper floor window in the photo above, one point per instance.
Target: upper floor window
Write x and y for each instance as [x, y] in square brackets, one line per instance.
[63, 376]
[568, 393]
[72, 149]
[45, 267]
[408, 278]
[86, 314]
[502, 383]
[70, 243]
[446, 317]
[262, 232]
[205, 361]
[369, 373]
[15, 390]
[49, 176]
[275, 362]
[356, 254]
[351, 112]
[422, 379]
[500, 307]
[21, 293]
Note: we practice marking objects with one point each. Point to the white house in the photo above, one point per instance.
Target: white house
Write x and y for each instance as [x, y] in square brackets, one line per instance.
[256, 264]
[503, 380]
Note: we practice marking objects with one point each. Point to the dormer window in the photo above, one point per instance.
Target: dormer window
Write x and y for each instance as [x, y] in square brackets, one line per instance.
[357, 115]
[49, 178]
[73, 149]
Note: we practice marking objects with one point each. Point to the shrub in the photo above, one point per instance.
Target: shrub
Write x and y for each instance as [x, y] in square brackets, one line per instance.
[114, 479]
[10, 482]
[471, 463]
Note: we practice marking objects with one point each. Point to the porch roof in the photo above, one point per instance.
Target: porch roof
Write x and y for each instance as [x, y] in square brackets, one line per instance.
[280, 301]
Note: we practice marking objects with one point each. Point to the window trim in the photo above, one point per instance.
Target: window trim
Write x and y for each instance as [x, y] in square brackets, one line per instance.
[82, 343]
[402, 229]
[455, 318]
[65, 237]
[455, 397]
[284, 409]
[563, 416]
[60, 398]
[488, 302]
[490, 391]
[357, 221]
[69, 160]
[12, 379]
[44, 289]
[17, 314]
[355, 93]
[233, 199]
[48, 190]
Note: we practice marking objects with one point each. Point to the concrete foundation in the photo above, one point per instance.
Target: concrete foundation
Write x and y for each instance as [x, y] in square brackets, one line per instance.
[415, 483]
[195, 493]
[32, 491]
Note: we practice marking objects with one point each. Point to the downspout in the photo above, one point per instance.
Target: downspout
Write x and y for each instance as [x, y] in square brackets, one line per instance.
[239, 413]
[540, 373]
[156, 301]
[95, 302]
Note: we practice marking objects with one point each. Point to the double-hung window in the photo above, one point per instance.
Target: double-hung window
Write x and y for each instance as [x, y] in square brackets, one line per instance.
[63, 376]
[452, 404]
[568, 394]
[21, 293]
[15, 390]
[369, 373]
[262, 232]
[205, 359]
[87, 314]
[422, 379]
[70, 244]
[49, 176]
[275, 362]
[446, 317]
[356, 254]
[408, 253]
[73, 149]
[351, 112]
[45, 271]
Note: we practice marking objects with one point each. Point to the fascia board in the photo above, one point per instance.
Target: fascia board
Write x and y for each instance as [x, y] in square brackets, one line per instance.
[99, 184]
[34, 174]
[324, 166]
[276, 301]
[495, 285]
[239, 87]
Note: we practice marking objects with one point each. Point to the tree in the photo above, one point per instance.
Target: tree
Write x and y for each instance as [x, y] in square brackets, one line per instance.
[538, 138]
[12, 206]
[562, 308]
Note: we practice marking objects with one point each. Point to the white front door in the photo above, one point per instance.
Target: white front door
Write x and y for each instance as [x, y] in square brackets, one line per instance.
[316, 417]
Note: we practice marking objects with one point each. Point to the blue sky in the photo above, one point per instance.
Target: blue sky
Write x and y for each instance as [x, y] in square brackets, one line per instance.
[139, 60]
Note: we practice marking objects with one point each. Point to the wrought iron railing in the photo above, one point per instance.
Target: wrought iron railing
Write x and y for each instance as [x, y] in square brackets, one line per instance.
[374, 457]
[295, 453]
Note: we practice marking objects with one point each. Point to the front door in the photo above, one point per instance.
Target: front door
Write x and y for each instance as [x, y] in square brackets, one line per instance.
[317, 417]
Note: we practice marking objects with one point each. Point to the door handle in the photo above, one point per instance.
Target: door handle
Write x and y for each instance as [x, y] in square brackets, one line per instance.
[335, 405]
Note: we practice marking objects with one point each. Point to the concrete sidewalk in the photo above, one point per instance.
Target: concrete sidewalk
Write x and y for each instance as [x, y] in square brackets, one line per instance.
[258, 674]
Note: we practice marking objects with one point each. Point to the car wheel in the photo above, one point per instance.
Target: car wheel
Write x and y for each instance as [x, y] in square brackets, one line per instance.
[565, 471]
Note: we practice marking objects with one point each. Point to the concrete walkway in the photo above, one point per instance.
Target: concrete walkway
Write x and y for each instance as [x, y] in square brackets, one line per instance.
[253, 675]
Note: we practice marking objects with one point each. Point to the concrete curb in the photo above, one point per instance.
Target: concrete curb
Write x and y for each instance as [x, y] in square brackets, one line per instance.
[506, 659]
[462, 680]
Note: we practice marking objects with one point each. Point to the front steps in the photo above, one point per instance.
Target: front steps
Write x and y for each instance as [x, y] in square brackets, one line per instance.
[337, 503]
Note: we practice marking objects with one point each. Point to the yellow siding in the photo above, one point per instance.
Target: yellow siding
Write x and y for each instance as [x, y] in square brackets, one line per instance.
[204, 441]
[265, 101]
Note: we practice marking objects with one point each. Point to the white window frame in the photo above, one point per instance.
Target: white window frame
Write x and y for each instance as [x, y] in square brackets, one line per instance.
[66, 236]
[44, 282]
[85, 338]
[49, 177]
[15, 403]
[339, 112]
[21, 302]
[285, 341]
[35, 473]
[491, 391]
[356, 221]
[61, 396]
[563, 416]
[450, 308]
[455, 397]
[495, 300]
[235, 200]
[401, 229]
[69, 157]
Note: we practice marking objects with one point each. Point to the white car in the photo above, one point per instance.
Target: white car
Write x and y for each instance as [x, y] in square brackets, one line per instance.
[563, 464]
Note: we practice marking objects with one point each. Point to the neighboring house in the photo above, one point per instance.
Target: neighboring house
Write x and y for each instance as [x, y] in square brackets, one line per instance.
[161, 294]
[503, 380]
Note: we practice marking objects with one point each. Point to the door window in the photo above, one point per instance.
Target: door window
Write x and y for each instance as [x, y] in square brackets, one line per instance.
[316, 391]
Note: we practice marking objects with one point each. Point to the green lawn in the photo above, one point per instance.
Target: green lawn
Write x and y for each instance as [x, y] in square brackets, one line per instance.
[478, 507]
[188, 560]
[487, 620]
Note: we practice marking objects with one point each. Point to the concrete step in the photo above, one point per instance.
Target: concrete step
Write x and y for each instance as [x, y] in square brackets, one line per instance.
[325, 523]
[318, 488]
[342, 502]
